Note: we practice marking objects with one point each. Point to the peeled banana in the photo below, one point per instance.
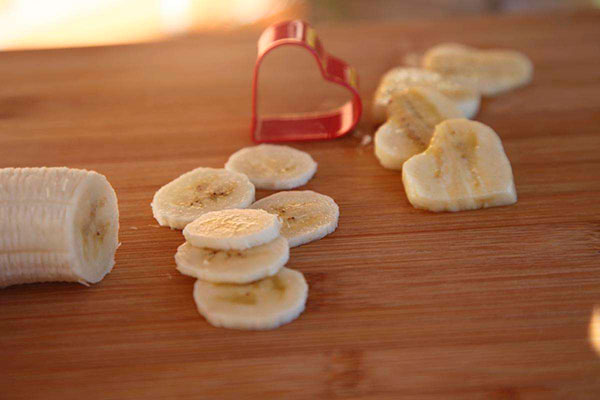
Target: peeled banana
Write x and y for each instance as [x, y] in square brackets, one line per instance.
[200, 191]
[56, 224]
[232, 229]
[414, 113]
[464, 168]
[265, 304]
[273, 167]
[466, 99]
[489, 72]
[307, 216]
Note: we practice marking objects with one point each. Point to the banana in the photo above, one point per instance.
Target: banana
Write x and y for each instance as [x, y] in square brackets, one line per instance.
[265, 304]
[233, 266]
[414, 113]
[464, 168]
[199, 191]
[232, 229]
[273, 167]
[400, 78]
[490, 72]
[306, 215]
[56, 224]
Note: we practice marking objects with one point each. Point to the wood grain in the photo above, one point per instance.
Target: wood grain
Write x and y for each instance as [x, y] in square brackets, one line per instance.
[489, 304]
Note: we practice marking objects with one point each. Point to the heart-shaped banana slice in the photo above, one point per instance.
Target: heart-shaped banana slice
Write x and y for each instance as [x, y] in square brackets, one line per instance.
[464, 168]
[414, 113]
[401, 78]
[490, 72]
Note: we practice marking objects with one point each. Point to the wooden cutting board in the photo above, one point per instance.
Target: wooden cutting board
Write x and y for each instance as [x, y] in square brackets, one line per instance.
[489, 304]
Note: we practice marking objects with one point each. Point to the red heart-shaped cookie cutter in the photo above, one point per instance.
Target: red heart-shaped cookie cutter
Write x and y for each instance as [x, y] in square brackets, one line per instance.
[313, 126]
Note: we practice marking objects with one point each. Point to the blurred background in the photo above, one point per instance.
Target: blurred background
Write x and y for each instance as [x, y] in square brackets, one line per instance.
[34, 24]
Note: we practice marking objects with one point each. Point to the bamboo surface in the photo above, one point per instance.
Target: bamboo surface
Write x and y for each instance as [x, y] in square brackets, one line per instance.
[488, 304]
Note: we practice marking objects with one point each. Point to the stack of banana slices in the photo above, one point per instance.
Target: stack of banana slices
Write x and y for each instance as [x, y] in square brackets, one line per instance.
[448, 163]
[238, 257]
[237, 248]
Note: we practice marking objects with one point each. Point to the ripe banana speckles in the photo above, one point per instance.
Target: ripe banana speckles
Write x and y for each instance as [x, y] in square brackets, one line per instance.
[414, 113]
[233, 266]
[232, 229]
[306, 215]
[265, 304]
[56, 224]
[464, 168]
[466, 99]
[273, 166]
[489, 72]
[200, 191]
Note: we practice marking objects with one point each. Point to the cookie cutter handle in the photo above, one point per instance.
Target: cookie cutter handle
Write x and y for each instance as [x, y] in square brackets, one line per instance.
[306, 126]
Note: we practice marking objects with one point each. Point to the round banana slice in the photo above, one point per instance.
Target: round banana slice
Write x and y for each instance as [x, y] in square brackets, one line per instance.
[265, 304]
[414, 113]
[273, 167]
[490, 72]
[232, 229]
[199, 191]
[56, 224]
[306, 215]
[233, 266]
[400, 78]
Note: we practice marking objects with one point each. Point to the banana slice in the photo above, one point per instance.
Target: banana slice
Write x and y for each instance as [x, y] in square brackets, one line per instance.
[199, 191]
[306, 215]
[398, 79]
[490, 72]
[233, 266]
[232, 229]
[414, 113]
[56, 224]
[273, 167]
[265, 304]
[464, 168]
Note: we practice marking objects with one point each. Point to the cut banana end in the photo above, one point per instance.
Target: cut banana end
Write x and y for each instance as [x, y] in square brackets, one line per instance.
[266, 304]
[307, 216]
[232, 229]
[56, 224]
[490, 72]
[273, 167]
[197, 192]
[466, 99]
[414, 113]
[233, 266]
[464, 168]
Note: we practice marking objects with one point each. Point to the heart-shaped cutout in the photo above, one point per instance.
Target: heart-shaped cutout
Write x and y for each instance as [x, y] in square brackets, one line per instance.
[464, 168]
[490, 72]
[290, 84]
[306, 126]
